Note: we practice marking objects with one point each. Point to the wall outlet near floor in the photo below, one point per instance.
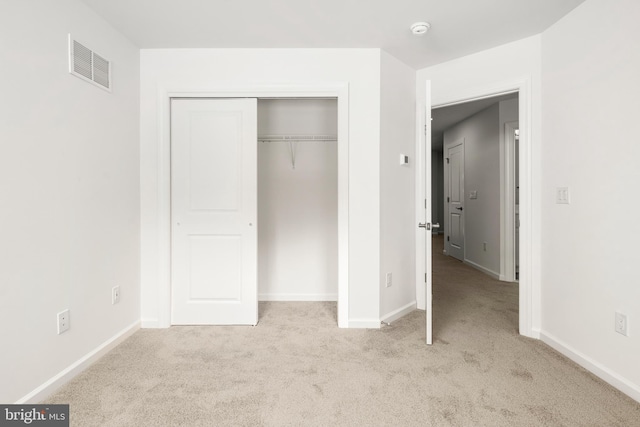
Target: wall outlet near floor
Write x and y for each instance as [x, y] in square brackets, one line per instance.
[64, 321]
[389, 280]
[562, 196]
[115, 295]
[621, 324]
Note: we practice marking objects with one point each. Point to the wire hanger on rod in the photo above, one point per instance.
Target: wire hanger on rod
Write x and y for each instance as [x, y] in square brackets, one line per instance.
[293, 140]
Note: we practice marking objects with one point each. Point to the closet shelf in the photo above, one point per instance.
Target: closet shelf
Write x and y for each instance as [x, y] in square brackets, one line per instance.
[297, 138]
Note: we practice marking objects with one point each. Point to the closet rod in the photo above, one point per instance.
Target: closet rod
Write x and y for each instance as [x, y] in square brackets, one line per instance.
[293, 140]
[297, 138]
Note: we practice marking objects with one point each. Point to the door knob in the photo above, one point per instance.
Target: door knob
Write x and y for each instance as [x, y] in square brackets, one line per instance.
[428, 225]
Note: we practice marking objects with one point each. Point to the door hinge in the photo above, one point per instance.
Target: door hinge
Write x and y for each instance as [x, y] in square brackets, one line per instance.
[447, 238]
[447, 160]
[447, 199]
[425, 203]
[425, 277]
[425, 129]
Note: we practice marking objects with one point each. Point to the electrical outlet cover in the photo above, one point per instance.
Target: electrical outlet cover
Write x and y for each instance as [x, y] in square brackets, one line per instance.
[621, 324]
[64, 321]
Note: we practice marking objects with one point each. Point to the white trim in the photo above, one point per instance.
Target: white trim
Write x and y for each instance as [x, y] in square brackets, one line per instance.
[483, 269]
[66, 375]
[312, 90]
[529, 281]
[476, 95]
[421, 211]
[149, 324]
[507, 203]
[364, 324]
[397, 314]
[297, 297]
[598, 369]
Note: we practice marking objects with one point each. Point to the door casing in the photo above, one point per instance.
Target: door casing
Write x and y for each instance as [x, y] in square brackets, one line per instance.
[339, 91]
[529, 282]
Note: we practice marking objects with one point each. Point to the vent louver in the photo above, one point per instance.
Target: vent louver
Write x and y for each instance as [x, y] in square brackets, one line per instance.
[88, 65]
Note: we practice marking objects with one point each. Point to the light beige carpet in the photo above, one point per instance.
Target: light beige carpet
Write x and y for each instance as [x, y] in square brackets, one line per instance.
[296, 368]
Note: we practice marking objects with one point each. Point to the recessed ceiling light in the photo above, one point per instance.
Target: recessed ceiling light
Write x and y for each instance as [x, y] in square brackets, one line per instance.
[420, 28]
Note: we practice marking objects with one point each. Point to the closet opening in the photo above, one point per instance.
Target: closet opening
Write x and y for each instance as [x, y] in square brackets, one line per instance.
[298, 201]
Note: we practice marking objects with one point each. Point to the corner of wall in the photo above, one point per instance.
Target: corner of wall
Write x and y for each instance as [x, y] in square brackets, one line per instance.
[397, 188]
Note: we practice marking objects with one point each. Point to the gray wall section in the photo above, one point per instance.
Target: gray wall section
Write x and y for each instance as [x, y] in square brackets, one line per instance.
[437, 189]
[483, 133]
[482, 174]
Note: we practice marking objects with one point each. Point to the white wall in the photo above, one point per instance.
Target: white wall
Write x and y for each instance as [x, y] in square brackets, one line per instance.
[591, 64]
[398, 225]
[298, 208]
[481, 174]
[204, 69]
[488, 72]
[69, 179]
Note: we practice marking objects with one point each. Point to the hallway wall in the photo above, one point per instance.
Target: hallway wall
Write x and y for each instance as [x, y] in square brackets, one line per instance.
[482, 175]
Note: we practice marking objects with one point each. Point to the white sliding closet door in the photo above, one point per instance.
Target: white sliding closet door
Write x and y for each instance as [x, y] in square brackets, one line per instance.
[214, 212]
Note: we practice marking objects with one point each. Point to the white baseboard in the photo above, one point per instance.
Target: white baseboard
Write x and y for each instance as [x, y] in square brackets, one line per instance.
[46, 389]
[150, 324]
[297, 297]
[616, 380]
[483, 269]
[396, 314]
[364, 324]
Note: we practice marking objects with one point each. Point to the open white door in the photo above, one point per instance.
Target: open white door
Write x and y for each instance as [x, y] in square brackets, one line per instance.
[214, 212]
[424, 216]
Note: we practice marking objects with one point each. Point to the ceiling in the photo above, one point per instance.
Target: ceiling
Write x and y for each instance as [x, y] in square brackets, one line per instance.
[445, 117]
[458, 27]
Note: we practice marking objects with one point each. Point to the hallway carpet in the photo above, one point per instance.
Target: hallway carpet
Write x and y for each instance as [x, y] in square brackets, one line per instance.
[296, 368]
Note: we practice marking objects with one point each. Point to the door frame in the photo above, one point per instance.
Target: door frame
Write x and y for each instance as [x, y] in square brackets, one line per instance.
[507, 203]
[339, 91]
[529, 285]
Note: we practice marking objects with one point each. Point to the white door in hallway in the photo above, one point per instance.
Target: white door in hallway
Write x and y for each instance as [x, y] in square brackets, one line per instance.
[214, 212]
[454, 174]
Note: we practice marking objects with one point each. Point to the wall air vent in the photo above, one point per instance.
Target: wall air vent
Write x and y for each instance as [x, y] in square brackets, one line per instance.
[88, 65]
